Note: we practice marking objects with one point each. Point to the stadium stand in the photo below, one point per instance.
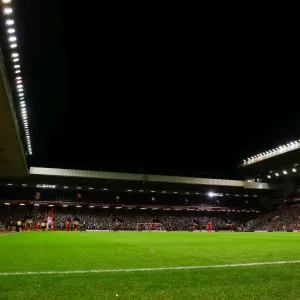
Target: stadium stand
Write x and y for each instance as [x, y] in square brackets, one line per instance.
[285, 219]
[116, 219]
[116, 201]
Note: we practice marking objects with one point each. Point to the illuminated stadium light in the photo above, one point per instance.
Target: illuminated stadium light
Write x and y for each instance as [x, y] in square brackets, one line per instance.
[272, 152]
[105, 189]
[211, 194]
[12, 38]
[187, 193]
[6, 203]
[152, 191]
[66, 187]
[269, 176]
[78, 206]
[141, 191]
[129, 190]
[51, 205]
[7, 10]
[105, 206]
[65, 205]
[9, 22]
[175, 192]
[11, 30]
[284, 172]
[91, 188]
[294, 170]
[9, 184]
[91, 206]
[22, 204]
[164, 192]
[196, 193]
[276, 174]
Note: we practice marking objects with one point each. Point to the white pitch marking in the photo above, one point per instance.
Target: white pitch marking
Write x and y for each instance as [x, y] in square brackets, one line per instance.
[5, 234]
[152, 269]
[261, 237]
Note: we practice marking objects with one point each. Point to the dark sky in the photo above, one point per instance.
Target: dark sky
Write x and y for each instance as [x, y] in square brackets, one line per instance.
[110, 90]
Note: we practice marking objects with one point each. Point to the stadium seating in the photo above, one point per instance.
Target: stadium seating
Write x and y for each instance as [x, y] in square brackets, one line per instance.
[285, 219]
[122, 219]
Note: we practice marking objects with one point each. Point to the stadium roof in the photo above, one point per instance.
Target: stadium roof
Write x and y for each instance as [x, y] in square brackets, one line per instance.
[14, 65]
[12, 157]
[151, 178]
[12, 154]
[271, 153]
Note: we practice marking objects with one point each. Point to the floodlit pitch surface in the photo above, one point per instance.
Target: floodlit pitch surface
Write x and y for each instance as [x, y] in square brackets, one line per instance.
[149, 265]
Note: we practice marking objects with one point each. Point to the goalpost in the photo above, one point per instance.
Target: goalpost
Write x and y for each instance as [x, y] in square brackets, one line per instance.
[149, 227]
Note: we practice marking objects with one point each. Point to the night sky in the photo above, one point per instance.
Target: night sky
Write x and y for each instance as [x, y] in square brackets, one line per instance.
[113, 91]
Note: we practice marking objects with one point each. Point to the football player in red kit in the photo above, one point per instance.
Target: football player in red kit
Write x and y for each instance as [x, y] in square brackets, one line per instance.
[209, 227]
[38, 225]
[67, 225]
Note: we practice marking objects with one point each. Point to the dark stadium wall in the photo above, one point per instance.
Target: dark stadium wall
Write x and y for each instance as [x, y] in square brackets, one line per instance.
[289, 187]
[266, 202]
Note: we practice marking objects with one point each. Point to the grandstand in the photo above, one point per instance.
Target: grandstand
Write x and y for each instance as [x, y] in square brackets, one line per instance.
[138, 189]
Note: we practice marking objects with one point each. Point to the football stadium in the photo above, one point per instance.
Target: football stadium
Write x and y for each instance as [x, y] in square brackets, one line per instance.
[85, 234]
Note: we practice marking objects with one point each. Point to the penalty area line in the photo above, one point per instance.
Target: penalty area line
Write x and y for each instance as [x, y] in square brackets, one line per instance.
[152, 269]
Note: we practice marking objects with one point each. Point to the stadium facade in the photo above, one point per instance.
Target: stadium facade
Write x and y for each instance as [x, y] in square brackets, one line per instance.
[102, 189]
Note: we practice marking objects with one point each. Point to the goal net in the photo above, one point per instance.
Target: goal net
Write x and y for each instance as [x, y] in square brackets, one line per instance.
[149, 227]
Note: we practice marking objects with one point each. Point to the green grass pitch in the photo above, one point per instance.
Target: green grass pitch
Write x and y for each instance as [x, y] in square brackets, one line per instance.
[86, 251]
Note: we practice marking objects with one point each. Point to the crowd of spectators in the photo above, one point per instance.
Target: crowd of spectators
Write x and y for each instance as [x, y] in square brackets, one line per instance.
[125, 220]
[287, 219]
